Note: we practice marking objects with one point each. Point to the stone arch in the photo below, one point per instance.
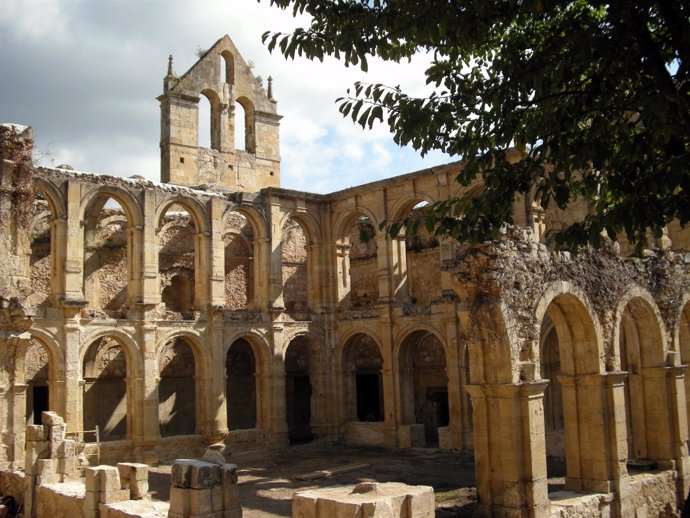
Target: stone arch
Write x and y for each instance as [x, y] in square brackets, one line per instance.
[641, 350]
[423, 378]
[195, 208]
[303, 366]
[415, 256]
[249, 123]
[180, 243]
[37, 370]
[361, 371]
[580, 376]
[239, 250]
[246, 369]
[100, 194]
[214, 101]
[53, 195]
[108, 248]
[356, 249]
[108, 393]
[567, 305]
[43, 243]
[296, 265]
[638, 313]
[179, 376]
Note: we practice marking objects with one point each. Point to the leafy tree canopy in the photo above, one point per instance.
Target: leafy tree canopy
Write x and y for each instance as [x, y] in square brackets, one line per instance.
[594, 95]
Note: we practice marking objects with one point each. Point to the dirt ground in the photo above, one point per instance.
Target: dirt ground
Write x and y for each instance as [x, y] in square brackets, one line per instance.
[267, 480]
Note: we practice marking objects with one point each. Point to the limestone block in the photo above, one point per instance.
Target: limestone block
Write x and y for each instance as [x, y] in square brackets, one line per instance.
[91, 479]
[91, 500]
[34, 451]
[45, 468]
[35, 432]
[67, 449]
[138, 489]
[56, 432]
[109, 479]
[232, 513]
[51, 418]
[179, 500]
[229, 474]
[68, 466]
[110, 497]
[200, 501]
[217, 500]
[445, 441]
[181, 474]
[204, 475]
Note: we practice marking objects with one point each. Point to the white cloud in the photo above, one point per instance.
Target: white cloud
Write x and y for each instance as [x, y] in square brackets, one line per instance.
[85, 75]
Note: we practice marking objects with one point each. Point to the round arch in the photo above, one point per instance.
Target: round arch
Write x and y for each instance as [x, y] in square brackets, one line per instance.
[638, 315]
[129, 346]
[402, 206]
[126, 199]
[55, 199]
[307, 222]
[195, 208]
[345, 220]
[194, 341]
[569, 309]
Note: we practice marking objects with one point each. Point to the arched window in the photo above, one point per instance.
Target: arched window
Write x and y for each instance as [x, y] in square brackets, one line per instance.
[204, 122]
[227, 67]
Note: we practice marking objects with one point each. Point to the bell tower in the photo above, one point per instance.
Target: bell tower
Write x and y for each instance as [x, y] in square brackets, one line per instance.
[226, 80]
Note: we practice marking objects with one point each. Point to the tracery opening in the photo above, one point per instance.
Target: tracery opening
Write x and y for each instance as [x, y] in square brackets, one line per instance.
[298, 390]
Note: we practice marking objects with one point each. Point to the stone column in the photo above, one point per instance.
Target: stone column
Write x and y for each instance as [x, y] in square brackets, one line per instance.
[274, 400]
[510, 450]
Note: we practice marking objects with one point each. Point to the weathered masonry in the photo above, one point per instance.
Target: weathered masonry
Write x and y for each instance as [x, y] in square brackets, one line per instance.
[218, 306]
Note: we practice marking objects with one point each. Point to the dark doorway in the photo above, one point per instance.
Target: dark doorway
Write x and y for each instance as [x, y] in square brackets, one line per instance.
[299, 409]
[368, 397]
[38, 403]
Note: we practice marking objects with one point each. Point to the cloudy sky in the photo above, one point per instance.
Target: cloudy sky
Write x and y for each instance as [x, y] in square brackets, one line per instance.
[85, 75]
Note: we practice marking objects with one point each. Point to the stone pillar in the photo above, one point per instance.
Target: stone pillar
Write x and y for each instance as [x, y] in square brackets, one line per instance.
[149, 291]
[148, 431]
[274, 401]
[666, 421]
[510, 451]
[73, 264]
[72, 375]
[275, 258]
[216, 266]
[202, 273]
[594, 415]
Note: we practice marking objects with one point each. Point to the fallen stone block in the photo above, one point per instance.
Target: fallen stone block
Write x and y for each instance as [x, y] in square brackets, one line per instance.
[51, 418]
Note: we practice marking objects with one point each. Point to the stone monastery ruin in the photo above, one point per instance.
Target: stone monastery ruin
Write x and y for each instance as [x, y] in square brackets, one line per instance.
[218, 307]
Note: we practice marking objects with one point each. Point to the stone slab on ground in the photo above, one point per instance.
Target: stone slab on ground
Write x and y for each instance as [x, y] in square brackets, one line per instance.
[138, 509]
[371, 499]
